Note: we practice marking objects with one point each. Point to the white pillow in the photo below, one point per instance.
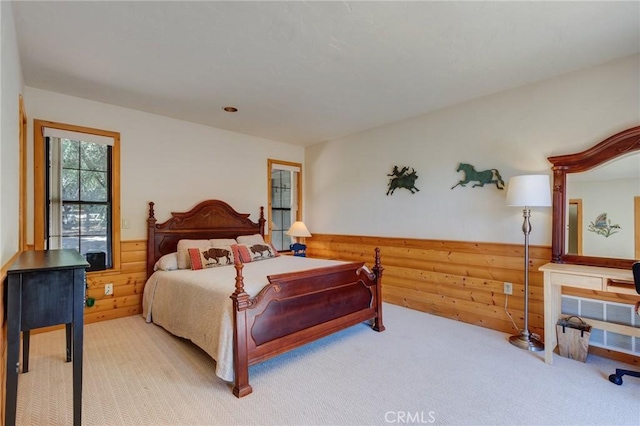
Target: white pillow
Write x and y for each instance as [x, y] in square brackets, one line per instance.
[222, 242]
[251, 239]
[168, 262]
[183, 255]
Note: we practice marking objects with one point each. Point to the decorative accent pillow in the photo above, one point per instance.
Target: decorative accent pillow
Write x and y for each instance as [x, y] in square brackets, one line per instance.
[168, 262]
[251, 253]
[184, 262]
[211, 257]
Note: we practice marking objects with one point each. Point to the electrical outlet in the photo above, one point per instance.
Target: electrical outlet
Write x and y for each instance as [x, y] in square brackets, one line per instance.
[508, 288]
[108, 289]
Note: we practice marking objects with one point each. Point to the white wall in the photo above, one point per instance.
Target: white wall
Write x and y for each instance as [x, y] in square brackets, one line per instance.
[10, 89]
[174, 163]
[514, 132]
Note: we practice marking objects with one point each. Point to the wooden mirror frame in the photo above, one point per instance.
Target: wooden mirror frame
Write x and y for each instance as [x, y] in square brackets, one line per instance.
[615, 146]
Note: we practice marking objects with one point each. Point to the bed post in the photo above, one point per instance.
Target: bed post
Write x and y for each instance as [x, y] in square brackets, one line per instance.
[151, 236]
[240, 298]
[377, 269]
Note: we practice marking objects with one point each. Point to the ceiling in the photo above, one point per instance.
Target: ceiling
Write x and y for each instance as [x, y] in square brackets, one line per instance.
[306, 72]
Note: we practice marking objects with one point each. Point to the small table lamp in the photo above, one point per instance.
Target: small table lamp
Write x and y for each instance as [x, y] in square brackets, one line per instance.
[528, 191]
[298, 230]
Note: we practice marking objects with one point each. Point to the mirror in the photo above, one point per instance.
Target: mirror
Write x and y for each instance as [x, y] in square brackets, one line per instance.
[596, 203]
[601, 215]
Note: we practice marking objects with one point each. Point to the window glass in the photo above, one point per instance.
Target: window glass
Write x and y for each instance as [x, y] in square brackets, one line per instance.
[82, 203]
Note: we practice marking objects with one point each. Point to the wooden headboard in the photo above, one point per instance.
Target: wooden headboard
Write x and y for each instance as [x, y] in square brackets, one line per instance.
[209, 219]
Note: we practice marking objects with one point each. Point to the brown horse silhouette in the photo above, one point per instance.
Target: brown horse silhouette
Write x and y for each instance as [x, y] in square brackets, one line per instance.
[214, 254]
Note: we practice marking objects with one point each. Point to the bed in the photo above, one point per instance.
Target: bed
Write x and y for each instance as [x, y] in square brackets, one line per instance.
[256, 310]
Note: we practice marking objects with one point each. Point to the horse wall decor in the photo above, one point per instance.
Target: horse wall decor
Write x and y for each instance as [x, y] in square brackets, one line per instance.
[486, 176]
[402, 179]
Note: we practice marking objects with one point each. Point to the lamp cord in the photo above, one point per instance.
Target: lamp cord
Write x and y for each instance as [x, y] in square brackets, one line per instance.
[506, 298]
[535, 335]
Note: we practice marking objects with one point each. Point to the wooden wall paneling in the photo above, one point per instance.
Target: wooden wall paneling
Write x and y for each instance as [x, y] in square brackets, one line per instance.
[112, 303]
[98, 281]
[131, 267]
[134, 256]
[111, 314]
[457, 280]
[129, 290]
[619, 356]
[128, 285]
[460, 280]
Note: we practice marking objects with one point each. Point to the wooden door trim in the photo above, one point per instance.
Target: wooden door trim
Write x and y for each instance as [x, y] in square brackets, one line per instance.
[578, 203]
[270, 164]
[22, 204]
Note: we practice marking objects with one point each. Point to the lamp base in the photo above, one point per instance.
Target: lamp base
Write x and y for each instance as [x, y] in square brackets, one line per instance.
[526, 341]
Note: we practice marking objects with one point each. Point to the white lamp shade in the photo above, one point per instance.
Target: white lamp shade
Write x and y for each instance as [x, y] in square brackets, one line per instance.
[298, 229]
[529, 191]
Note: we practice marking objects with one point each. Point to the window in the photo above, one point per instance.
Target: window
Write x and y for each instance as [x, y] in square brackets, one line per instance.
[285, 193]
[280, 208]
[77, 190]
[79, 208]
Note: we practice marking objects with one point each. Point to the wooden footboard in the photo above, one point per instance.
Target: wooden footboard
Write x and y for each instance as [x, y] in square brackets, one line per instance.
[298, 308]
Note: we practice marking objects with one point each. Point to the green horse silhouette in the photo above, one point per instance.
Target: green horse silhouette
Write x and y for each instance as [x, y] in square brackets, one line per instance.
[486, 176]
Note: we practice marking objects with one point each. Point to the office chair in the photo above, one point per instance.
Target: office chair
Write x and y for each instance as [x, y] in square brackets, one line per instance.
[617, 378]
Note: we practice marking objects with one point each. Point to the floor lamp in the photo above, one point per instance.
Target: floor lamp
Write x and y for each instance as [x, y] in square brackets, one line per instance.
[528, 191]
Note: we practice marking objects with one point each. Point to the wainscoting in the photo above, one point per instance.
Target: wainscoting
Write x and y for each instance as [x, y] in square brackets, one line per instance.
[128, 285]
[458, 280]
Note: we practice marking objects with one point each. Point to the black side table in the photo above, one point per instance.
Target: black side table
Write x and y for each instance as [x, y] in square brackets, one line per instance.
[45, 288]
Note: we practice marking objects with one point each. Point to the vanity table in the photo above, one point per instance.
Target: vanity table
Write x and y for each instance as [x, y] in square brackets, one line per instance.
[557, 275]
[604, 179]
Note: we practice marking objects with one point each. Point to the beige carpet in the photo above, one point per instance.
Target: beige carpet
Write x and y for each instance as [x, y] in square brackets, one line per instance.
[422, 369]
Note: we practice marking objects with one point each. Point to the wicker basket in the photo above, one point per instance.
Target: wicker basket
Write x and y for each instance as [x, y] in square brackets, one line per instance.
[573, 338]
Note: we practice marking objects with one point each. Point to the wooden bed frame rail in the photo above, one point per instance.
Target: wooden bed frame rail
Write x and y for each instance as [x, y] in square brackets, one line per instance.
[293, 309]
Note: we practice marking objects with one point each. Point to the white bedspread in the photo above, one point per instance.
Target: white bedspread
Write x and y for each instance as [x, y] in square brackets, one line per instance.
[196, 305]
